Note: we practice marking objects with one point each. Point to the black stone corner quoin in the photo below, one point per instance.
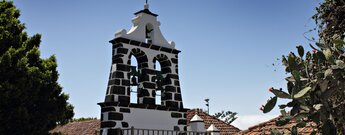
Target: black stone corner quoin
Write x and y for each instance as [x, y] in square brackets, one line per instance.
[145, 45]
[106, 105]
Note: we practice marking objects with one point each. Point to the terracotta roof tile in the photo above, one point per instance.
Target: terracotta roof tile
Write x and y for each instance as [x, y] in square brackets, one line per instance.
[87, 127]
[265, 128]
[225, 129]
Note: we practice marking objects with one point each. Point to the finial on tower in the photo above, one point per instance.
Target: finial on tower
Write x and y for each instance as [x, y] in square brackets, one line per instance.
[146, 6]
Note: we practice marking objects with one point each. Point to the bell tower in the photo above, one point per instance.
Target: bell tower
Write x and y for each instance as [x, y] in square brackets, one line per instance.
[145, 42]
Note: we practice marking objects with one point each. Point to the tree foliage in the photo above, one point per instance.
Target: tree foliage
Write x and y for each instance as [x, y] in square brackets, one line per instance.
[228, 116]
[83, 119]
[31, 100]
[316, 89]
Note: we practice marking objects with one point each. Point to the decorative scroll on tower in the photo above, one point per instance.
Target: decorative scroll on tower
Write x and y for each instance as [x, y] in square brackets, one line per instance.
[145, 42]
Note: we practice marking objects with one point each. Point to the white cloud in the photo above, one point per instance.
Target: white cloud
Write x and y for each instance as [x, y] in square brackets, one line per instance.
[243, 122]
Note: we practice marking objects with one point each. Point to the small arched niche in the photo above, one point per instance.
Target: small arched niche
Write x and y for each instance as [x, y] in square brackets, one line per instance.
[149, 33]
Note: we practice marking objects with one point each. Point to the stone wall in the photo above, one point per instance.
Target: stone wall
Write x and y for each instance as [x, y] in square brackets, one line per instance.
[118, 112]
[146, 54]
[141, 116]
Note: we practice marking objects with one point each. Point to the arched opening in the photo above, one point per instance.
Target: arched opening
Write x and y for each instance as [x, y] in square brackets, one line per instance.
[162, 66]
[134, 74]
[137, 61]
[149, 33]
[159, 82]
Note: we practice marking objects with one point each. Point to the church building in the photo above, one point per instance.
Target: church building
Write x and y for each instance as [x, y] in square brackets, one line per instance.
[140, 95]
[143, 96]
[145, 42]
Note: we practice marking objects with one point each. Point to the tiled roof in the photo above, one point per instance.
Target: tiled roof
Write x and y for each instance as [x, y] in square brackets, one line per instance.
[225, 129]
[87, 127]
[90, 126]
[265, 128]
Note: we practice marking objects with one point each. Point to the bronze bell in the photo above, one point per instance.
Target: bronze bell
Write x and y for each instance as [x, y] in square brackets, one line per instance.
[134, 81]
[159, 84]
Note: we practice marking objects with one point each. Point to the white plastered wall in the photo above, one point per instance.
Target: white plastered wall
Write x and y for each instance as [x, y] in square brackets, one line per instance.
[137, 32]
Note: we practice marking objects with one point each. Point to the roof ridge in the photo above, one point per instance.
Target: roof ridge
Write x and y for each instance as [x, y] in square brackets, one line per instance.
[215, 118]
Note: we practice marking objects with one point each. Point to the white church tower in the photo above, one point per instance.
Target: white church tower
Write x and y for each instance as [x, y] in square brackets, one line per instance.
[145, 42]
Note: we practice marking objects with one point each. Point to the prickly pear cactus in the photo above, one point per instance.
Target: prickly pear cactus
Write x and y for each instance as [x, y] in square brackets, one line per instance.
[316, 88]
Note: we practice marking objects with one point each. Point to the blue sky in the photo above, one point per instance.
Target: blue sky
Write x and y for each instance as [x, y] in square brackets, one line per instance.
[228, 46]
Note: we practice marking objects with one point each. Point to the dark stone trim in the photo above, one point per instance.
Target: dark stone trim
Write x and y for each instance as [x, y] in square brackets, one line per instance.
[173, 60]
[118, 74]
[118, 90]
[117, 60]
[122, 50]
[164, 49]
[177, 83]
[176, 51]
[125, 110]
[117, 45]
[148, 100]
[178, 89]
[162, 108]
[176, 115]
[145, 45]
[123, 104]
[108, 124]
[151, 107]
[124, 124]
[115, 116]
[119, 40]
[182, 122]
[122, 67]
[118, 56]
[109, 98]
[178, 97]
[142, 106]
[170, 89]
[181, 104]
[172, 109]
[147, 11]
[155, 47]
[125, 82]
[133, 42]
[114, 81]
[166, 70]
[116, 131]
[143, 93]
[149, 85]
[124, 99]
[176, 128]
[172, 104]
[172, 76]
[108, 109]
[148, 71]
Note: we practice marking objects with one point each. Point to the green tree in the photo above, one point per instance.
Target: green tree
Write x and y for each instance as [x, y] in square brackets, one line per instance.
[228, 116]
[83, 119]
[316, 87]
[31, 100]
